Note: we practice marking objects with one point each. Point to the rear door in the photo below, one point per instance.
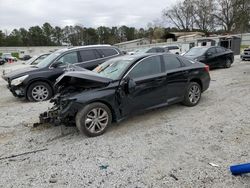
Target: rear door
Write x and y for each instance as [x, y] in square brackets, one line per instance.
[150, 79]
[90, 58]
[177, 77]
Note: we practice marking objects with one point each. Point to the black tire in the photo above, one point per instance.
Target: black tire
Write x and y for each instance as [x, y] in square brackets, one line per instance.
[228, 63]
[94, 123]
[34, 86]
[196, 96]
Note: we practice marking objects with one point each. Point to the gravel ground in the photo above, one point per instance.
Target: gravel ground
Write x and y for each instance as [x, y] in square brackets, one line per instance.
[168, 147]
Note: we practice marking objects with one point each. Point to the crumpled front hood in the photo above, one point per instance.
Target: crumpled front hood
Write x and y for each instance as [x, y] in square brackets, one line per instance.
[81, 78]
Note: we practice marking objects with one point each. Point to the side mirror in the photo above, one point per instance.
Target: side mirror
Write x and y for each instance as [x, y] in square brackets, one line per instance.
[56, 64]
[130, 85]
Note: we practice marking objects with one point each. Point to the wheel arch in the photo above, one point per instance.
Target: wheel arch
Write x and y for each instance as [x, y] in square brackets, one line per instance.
[198, 81]
[113, 113]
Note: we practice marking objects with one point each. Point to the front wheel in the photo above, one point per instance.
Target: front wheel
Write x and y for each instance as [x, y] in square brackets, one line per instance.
[228, 63]
[193, 94]
[39, 91]
[93, 119]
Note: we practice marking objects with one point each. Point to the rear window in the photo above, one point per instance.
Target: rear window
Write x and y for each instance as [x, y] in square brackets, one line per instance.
[88, 55]
[109, 52]
[171, 62]
[172, 47]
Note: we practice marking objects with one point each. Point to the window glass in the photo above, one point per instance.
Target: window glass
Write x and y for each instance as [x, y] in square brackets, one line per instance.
[212, 51]
[88, 55]
[160, 50]
[146, 67]
[171, 62]
[109, 52]
[152, 50]
[187, 62]
[69, 58]
[220, 50]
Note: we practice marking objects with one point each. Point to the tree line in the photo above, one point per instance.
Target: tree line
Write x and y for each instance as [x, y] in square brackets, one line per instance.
[208, 16]
[47, 35]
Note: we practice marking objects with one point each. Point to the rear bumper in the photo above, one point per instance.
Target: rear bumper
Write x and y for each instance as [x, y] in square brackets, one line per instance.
[205, 82]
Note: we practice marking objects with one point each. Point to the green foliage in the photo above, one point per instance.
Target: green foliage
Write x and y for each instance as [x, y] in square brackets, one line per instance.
[15, 54]
[47, 35]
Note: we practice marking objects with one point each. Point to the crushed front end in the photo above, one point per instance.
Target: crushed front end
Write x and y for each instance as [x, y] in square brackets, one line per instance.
[67, 87]
[62, 112]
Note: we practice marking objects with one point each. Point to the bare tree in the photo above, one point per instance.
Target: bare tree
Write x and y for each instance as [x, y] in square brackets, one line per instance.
[180, 15]
[203, 14]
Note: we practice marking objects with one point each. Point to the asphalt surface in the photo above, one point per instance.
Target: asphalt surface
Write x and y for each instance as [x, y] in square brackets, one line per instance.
[167, 147]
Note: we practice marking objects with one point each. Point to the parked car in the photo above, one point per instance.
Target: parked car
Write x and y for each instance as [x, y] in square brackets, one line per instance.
[36, 82]
[246, 54]
[174, 49]
[33, 61]
[123, 86]
[215, 56]
[7, 57]
[2, 61]
[148, 50]
[25, 57]
[36, 59]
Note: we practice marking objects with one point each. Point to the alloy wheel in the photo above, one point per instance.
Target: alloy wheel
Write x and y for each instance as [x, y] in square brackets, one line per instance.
[96, 120]
[40, 93]
[194, 94]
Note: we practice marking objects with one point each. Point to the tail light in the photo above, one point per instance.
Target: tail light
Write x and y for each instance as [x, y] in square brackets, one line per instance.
[206, 68]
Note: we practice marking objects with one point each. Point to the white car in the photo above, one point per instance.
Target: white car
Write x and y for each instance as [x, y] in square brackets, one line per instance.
[31, 62]
[175, 49]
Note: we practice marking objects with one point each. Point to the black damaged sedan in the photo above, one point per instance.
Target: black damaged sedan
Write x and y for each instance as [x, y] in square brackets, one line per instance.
[124, 86]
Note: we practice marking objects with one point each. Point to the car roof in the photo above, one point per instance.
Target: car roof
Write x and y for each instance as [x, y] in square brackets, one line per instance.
[84, 47]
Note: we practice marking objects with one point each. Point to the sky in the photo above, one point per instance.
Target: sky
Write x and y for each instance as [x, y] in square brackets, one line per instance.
[87, 13]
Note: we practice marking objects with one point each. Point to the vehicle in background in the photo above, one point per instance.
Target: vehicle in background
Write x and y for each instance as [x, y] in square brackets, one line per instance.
[33, 61]
[25, 57]
[174, 49]
[148, 50]
[246, 54]
[36, 59]
[2, 61]
[123, 86]
[8, 57]
[214, 56]
[36, 82]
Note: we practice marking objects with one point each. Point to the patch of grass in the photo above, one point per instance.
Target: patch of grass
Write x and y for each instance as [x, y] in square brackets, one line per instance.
[15, 54]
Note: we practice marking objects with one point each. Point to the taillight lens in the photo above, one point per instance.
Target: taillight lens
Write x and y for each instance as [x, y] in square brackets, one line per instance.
[206, 68]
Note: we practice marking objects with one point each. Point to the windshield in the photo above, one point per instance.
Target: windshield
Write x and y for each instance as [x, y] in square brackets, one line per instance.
[113, 68]
[47, 61]
[30, 60]
[196, 51]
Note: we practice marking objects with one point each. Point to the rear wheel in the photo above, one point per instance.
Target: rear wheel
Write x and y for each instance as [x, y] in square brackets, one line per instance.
[39, 91]
[193, 94]
[93, 119]
[228, 63]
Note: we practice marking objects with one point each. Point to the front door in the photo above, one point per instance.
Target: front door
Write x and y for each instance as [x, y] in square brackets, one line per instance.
[149, 77]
